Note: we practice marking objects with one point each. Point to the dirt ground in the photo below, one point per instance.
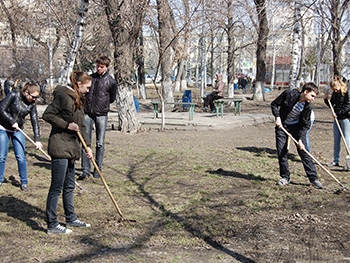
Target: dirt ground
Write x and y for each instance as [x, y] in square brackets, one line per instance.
[196, 196]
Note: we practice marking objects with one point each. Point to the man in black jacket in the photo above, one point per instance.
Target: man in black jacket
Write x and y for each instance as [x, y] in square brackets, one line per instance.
[102, 93]
[292, 110]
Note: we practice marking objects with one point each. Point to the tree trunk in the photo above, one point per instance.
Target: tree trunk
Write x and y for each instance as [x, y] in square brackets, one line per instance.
[231, 52]
[76, 41]
[165, 51]
[296, 47]
[125, 25]
[261, 50]
[13, 35]
[140, 67]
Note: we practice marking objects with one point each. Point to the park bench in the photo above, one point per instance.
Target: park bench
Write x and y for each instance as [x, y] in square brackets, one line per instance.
[157, 105]
[219, 104]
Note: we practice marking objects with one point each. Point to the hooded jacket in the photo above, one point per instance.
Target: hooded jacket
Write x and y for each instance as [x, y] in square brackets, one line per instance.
[285, 102]
[220, 86]
[14, 108]
[102, 92]
[64, 143]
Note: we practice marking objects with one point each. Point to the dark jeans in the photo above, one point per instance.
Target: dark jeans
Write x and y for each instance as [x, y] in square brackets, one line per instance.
[62, 178]
[282, 152]
[209, 100]
[100, 126]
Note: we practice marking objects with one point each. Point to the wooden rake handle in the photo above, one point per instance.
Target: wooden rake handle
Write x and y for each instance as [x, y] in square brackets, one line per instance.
[324, 168]
[100, 174]
[33, 142]
[339, 128]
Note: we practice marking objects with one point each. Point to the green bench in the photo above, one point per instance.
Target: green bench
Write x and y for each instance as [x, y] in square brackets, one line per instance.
[157, 104]
[219, 105]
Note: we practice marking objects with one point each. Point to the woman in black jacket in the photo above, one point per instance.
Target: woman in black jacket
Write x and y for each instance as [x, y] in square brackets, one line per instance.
[13, 110]
[66, 116]
[340, 101]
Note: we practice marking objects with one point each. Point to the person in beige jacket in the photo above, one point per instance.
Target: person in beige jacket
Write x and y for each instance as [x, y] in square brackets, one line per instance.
[217, 93]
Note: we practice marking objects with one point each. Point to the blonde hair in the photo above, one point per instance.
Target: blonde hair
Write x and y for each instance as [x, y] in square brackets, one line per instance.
[337, 80]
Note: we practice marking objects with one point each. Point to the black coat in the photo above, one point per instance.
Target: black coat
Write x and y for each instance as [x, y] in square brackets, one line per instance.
[14, 108]
[341, 104]
[285, 102]
[64, 143]
[102, 92]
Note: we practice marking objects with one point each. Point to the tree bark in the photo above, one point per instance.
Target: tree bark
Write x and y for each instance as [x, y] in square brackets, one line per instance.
[261, 50]
[76, 42]
[125, 25]
[296, 47]
[165, 51]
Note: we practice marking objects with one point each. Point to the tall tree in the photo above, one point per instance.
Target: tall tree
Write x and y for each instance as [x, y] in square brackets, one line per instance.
[166, 36]
[340, 31]
[296, 47]
[263, 32]
[13, 33]
[76, 42]
[125, 24]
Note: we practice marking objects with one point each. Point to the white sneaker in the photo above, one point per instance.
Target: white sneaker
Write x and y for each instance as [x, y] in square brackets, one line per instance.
[59, 230]
[283, 182]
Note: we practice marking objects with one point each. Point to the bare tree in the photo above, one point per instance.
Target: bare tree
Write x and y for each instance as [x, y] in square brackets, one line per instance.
[340, 31]
[76, 42]
[296, 47]
[261, 50]
[125, 24]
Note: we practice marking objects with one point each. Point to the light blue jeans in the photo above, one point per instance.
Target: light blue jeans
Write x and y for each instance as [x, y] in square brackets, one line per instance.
[19, 147]
[345, 127]
[100, 127]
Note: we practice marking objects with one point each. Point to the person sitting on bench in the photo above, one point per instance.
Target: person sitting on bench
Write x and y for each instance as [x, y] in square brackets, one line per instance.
[217, 93]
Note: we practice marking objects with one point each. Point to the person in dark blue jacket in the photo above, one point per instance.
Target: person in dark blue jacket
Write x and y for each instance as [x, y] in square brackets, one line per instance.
[292, 110]
[102, 93]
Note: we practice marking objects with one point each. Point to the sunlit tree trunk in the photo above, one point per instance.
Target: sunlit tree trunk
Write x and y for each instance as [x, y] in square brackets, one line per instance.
[76, 41]
[263, 32]
[165, 51]
[140, 67]
[296, 47]
[231, 51]
[125, 22]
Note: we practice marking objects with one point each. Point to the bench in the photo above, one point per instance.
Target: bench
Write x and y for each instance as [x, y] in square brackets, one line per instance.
[157, 104]
[219, 104]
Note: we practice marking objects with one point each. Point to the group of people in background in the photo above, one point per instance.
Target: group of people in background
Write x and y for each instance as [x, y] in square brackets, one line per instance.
[76, 107]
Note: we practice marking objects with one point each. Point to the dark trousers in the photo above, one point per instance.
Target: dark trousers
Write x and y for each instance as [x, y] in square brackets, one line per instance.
[62, 179]
[282, 152]
[209, 100]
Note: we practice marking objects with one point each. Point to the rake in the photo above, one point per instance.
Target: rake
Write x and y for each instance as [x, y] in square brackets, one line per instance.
[103, 181]
[47, 156]
[347, 158]
[343, 187]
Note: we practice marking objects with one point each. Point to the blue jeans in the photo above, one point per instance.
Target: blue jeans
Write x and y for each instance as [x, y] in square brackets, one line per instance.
[19, 147]
[345, 127]
[62, 178]
[100, 127]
